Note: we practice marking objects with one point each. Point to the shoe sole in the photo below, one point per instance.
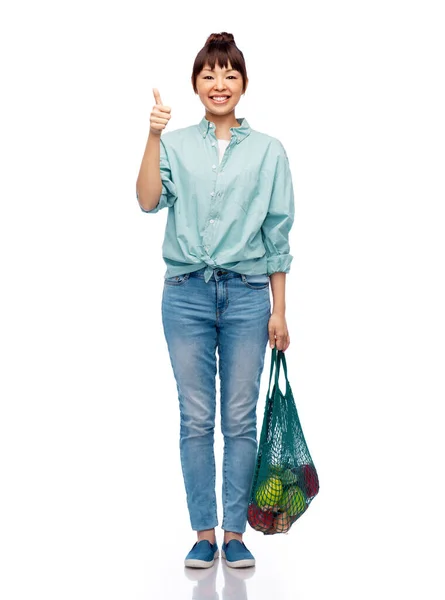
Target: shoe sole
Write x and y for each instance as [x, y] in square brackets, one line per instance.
[236, 564]
[201, 564]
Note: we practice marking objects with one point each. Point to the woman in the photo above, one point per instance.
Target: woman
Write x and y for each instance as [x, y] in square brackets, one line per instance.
[229, 192]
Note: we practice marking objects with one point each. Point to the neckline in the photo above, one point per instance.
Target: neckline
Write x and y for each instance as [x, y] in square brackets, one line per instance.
[240, 132]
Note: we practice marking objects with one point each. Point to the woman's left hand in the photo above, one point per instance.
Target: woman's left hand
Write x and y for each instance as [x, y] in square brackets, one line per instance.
[278, 332]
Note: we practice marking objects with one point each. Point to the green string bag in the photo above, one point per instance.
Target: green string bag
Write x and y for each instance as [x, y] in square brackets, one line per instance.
[285, 480]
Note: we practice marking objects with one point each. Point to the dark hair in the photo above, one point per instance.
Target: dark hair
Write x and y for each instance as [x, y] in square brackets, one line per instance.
[219, 48]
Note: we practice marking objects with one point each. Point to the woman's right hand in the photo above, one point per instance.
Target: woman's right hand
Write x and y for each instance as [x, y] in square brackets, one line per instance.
[160, 115]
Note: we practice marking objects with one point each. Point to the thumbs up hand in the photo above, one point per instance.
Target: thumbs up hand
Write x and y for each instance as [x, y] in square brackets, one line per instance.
[160, 115]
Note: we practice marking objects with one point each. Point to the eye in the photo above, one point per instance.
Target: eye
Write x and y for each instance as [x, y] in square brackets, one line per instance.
[207, 76]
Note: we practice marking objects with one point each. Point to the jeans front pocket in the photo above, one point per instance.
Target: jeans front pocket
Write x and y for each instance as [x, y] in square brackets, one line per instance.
[177, 279]
[256, 282]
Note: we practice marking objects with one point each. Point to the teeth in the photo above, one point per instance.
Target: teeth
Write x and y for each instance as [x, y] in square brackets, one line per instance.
[219, 98]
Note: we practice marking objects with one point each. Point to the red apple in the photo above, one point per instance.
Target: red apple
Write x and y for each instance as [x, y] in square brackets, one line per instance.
[261, 520]
[310, 480]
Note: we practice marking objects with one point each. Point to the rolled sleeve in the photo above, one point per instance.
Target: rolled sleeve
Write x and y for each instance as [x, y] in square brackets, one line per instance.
[169, 192]
[280, 217]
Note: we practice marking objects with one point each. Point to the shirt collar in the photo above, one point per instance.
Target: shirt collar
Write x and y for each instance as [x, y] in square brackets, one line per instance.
[240, 132]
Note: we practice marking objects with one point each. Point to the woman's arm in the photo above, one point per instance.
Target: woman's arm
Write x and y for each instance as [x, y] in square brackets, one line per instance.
[154, 186]
[149, 184]
[275, 230]
[277, 326]
[280, 217]
[278, 285]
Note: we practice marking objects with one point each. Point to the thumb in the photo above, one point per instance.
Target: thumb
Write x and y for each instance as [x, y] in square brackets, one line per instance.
[157, 96]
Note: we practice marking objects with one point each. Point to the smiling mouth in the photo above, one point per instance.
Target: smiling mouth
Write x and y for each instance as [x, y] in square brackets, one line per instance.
[219, 99]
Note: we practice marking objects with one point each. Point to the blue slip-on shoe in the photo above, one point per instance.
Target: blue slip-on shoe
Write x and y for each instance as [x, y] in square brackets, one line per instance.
[237, 555]
[202, 555]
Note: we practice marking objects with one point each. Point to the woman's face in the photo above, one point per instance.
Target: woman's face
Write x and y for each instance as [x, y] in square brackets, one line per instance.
[218, 83]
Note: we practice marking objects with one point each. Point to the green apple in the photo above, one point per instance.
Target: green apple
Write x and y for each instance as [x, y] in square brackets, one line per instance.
[269, 492]
[293, 501]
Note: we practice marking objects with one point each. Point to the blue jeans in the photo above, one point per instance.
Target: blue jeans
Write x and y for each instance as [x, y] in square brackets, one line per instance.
[231, 313]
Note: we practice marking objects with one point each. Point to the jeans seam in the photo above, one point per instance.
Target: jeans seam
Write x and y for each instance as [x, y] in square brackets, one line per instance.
[225, 476]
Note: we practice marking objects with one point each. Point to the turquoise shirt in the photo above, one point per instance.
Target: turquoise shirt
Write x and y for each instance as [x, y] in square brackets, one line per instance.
[235, 214]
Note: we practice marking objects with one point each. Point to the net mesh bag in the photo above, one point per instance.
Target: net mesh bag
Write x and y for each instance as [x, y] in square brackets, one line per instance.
[285, 480]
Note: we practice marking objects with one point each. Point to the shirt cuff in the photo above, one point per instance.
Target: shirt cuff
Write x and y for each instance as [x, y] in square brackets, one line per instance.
[159, 205]
[164, 202]
[279, 263]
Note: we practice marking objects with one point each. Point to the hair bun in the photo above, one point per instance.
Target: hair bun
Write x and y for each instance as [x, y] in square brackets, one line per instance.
[220, 38]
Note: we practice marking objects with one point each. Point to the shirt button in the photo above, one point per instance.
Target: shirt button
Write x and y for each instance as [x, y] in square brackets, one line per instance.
[212, 193]
[213, 166]
[212, 221]
[213, 143]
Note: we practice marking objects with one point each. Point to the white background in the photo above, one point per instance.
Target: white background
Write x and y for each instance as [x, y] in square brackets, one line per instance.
[92, 503]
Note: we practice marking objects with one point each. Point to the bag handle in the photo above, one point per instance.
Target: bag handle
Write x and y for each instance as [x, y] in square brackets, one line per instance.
[278, 358]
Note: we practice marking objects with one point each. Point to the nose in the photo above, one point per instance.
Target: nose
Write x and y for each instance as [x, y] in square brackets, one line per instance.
[219, 85]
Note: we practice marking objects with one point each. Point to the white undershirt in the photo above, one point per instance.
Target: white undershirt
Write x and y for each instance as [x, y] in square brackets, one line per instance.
[222, 145]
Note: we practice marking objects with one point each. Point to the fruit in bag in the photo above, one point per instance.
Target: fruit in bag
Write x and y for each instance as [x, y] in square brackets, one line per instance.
[261, 520]
[310, 479]
[293, 501]
[269, 492]
[282, 523]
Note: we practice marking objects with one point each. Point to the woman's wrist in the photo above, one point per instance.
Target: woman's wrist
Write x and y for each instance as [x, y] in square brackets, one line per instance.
[278, 285]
